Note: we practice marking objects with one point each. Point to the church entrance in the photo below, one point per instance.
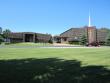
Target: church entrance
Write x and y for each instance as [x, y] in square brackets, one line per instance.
[29, 38]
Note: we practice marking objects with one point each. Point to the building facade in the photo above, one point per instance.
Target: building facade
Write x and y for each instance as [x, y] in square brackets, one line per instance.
[74, 35]
[28, 37]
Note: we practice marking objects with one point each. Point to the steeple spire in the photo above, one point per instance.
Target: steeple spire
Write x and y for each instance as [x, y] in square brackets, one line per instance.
[89, 20]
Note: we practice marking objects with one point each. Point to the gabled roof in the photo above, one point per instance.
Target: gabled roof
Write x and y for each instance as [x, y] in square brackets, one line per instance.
[73, 32]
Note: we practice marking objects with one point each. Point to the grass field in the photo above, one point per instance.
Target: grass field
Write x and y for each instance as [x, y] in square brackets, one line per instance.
[27, 44]
[55, 65]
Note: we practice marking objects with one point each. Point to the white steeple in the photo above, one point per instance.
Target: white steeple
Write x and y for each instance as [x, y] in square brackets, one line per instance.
[89, 20]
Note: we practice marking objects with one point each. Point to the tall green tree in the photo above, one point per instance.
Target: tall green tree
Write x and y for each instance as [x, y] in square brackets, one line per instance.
[0, 30]
[6, 34]
[107, 42]
[1, 38]
[83, 40]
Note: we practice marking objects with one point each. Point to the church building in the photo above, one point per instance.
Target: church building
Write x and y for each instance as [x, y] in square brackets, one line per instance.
[91, 32]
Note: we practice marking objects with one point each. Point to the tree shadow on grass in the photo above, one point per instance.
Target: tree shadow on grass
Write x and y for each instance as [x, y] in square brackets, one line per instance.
[51, 70]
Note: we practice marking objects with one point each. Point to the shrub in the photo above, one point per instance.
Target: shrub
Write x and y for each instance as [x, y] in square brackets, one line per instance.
[108, 40]
[50, 41]
[7, 43]
[94, 44]
[74, 42]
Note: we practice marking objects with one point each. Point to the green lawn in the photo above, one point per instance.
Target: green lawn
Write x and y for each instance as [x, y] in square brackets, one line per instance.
[27, 44]
[88, 56]
[55, 65]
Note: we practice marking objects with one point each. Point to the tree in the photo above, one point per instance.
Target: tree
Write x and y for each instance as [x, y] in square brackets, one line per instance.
[50, 41]
[83, 40]
[6, 34]
[107, 42]
[0, 30]
[1, 38]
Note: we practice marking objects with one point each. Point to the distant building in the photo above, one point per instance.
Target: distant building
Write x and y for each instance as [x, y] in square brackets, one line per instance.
[29, 37]
[74, 34]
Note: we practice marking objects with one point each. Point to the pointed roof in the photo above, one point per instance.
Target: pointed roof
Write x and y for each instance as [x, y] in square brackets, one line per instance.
[89, 20]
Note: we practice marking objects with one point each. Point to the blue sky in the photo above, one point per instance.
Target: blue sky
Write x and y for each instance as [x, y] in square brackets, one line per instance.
[52, 16]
